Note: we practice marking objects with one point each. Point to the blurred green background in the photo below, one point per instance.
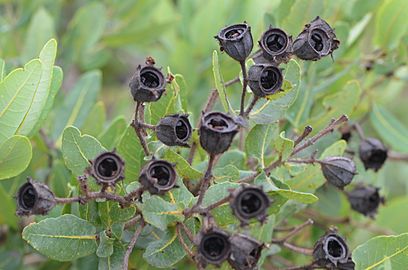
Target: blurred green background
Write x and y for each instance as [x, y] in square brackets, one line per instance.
[114, 36]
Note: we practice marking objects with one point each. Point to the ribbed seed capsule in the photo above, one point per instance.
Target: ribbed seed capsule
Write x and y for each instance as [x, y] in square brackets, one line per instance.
[174, 130]
[373, 153]
[264, 80]
[158, 176]
[236, 41]
[248, 202]
[217, 131]
[315, 41]
[365, 200]
[108, 168]
[276, 45]
[245, 252]
[332, 252]
[147, 84]
[338, 171]
[213, 247]
[34, 198]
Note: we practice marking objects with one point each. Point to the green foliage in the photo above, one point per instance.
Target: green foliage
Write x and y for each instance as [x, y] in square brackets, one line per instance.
[55, 120]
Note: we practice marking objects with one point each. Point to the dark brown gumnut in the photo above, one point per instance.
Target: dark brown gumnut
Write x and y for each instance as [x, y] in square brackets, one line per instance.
[108, 168]
[174, 130]
[147, 84]
[34, 198]
[276, 45]
[264, 80]
[373, 153]
[315, 41]
[365, 200]
[158, 176]
[213, 247]
[249, 201]
[217, 131]
[331, 251]
[338, 171]
[236, 41]
[245, 252]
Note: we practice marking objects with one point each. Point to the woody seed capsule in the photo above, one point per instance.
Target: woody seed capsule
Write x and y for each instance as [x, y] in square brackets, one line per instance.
[158, 176]
[236, 41]
[373, 153]
[34, 198]
[147, 84]
[338, 171]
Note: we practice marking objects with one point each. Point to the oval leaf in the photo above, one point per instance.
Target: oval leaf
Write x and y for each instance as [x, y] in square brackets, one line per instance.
[65, 238]
[15, 156]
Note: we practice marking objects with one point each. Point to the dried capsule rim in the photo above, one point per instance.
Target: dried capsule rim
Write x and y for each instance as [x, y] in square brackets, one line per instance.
[326, 45]
[339, 241]
[155, 71]
[184, 120]
[230, 123]
[170, 170]
[115, 176]
[239, 26]
[226, 247]
[24, 188]
[278, 83]
[270, 32]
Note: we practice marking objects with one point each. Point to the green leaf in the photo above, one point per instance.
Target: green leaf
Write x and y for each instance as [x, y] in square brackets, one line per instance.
[301, 13]
[183, 168]
[168, 250]
[2, 66]
[389, 128]
[78, 103]
[387, 213]
[111, 212]
[105, 247]
[131, 151]
[180, 196]
[258, 139]
[42, 90]
[382, 252]
[169, 103]
[78, 150]
[298, 196]
[84, 31]
[64, 238]
[264, 232]
[17, 91]
[160, 213]
[115, 260]
[56, 82]
[391, 23]
[219, 83]
[343, 102]
[110, 137]
[7, 209]
[312, 178]
[15, 156]
[93, 124]
[40, 30]
[270, 110]
[229, 173]
[283, 146]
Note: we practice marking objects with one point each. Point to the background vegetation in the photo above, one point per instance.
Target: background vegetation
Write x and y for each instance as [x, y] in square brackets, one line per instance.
[100, 43]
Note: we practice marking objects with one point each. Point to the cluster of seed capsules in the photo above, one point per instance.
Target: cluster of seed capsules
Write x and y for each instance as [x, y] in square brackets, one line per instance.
[216, 132]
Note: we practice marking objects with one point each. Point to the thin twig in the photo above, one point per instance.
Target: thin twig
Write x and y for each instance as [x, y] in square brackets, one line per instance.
[397, 156]
[359, 130]
[332, 126]
[68, 200]
[138, 130]
[244, 87]
[183, 243]
[251, 106]
[297, 249]
[208, 107]
[132, 244]
[215, 205]
[187, 232]
[296, 230]
[305, 133]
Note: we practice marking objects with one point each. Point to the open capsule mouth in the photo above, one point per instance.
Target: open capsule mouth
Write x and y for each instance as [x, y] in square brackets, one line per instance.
[214, 247]
[377, 156]
[271, 80]
[183, 130]
[251, 203]
[319, 41]
[27, 196]
[219, 122]
[335, 249]
[150, 77]
[234, 32]
[163, 173]
[274, 41]
[108, 167]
